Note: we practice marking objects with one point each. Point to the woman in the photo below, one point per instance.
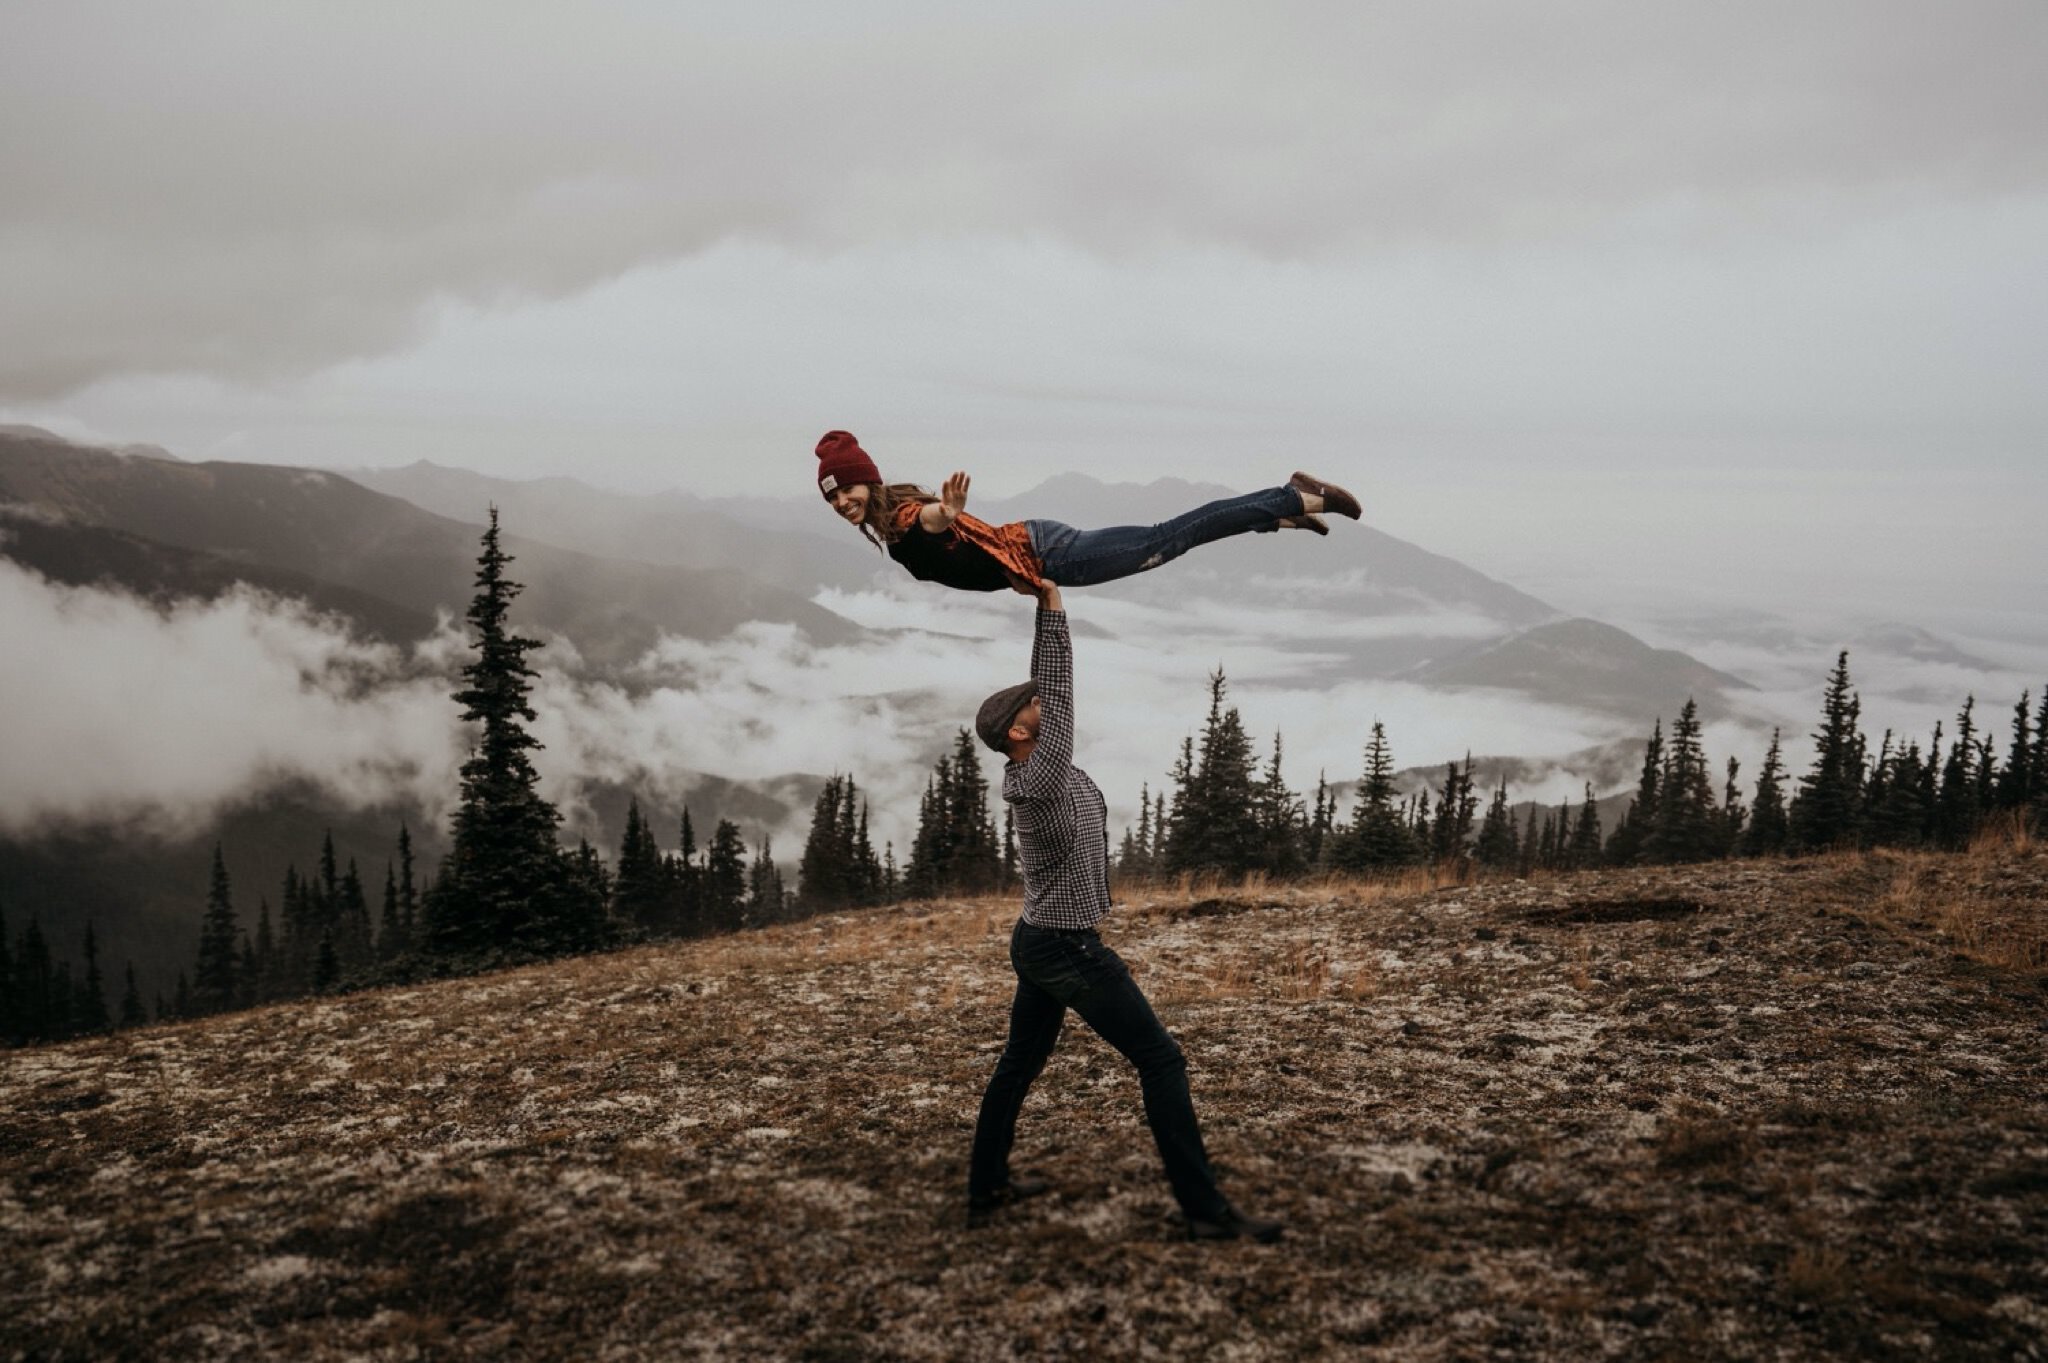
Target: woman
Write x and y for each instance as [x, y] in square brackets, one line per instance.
[935, 538]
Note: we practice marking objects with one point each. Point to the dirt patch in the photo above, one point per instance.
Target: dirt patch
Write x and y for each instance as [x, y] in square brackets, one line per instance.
[1651, 910]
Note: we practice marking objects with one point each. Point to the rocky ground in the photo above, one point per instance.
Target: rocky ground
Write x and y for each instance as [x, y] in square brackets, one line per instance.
[1747, 1111]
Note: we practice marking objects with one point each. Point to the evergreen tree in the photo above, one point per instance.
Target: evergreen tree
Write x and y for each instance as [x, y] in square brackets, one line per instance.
[1685, 825]
[1768, 828]
[977, 859]
[506, 884]
[295, 974]
[1898, 811]
[955, 850]
[390, 925]
[1496, 848]
[1378, 836]
[1586, 842]
[643, 895]
[1421, 827]
[590, 888]
[821, 872]
[725, 878]
[1451, 834]
[1535, 844]
[2037, 763]
[864, 856]
[1824, 812]
[1957, 807]
[408, 893]
[1127, 856]
[764, 888]
[689, 881]
[1733, 815]
[215, 975]
[1216, 825]
[1282, 823]
[2016, 783]
[181, 998]
[929, 847]
[1322, 822]
[89, 1006]
[131, 1002]
[352, 922]
[1632, 834]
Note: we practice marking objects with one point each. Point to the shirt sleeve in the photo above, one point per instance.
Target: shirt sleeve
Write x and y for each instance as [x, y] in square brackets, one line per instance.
[906, 515]
[1044, 776]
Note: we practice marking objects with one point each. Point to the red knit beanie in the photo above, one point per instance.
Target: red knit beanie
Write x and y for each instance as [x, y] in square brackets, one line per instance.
[841, 461]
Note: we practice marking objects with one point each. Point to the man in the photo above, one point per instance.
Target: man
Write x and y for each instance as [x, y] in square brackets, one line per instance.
[1061, 962]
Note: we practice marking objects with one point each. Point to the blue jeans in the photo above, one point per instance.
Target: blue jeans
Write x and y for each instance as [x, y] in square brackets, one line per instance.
[1082, 558]
[1058, 970]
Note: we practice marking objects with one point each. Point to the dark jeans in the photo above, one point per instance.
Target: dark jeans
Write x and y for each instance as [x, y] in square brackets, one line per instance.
[1082, 558]
[1061, 970]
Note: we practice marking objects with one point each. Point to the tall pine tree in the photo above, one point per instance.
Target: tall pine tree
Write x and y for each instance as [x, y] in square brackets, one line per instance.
[507, 885]
[214, 978]
[1827, 809]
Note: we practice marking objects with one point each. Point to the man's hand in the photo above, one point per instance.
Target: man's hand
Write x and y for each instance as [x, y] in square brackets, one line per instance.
[1046, 590]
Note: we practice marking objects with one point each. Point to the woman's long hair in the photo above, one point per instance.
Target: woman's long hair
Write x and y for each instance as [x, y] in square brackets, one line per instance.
[879, 525]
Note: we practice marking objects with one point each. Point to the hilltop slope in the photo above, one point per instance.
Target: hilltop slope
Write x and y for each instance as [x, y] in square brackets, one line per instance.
[1722, 1112]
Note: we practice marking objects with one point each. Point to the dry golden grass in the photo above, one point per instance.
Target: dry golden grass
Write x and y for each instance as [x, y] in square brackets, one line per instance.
[1990, 919]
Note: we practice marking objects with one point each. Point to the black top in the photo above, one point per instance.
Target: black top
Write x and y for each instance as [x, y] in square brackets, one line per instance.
[950, 558]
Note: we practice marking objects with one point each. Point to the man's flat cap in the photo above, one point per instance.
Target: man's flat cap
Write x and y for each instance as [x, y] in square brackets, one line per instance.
[992, 721]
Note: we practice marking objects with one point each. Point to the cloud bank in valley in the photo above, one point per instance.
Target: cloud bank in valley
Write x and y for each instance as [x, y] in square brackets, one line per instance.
[121, 711]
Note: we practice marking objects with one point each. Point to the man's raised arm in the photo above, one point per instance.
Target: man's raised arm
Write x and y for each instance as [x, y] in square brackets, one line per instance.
[1052, 667]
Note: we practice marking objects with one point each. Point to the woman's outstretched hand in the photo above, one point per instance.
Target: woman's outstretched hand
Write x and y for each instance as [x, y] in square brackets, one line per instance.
[953, 496]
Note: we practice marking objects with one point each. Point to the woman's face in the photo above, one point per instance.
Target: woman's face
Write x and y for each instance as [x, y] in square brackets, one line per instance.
[850, 501]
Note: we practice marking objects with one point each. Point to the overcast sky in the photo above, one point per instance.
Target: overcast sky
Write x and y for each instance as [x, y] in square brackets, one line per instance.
[1601, 298]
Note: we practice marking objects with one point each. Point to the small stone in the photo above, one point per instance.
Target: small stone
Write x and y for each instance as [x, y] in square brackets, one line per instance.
[1642, 1313]
[1862, 970]
[1411, 1028]
[1486, 934]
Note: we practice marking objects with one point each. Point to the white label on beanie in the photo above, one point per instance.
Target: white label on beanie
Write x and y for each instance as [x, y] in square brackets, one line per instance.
[828, 483]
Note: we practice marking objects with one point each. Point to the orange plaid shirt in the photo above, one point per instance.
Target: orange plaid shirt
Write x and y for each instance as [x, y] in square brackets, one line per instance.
[1009, 545]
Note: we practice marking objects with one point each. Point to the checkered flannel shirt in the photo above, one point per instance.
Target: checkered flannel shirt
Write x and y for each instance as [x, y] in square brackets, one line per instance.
[1062, 823]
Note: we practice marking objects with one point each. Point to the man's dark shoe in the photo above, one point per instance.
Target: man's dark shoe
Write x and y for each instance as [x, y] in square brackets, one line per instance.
[1335, 499]
[986, 1205]
[1232, 1224]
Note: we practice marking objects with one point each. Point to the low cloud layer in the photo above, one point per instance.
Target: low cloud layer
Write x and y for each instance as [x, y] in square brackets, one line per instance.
[119, 711]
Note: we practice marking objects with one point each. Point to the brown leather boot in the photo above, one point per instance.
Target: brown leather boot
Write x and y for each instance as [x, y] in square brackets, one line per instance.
[1335, 499]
